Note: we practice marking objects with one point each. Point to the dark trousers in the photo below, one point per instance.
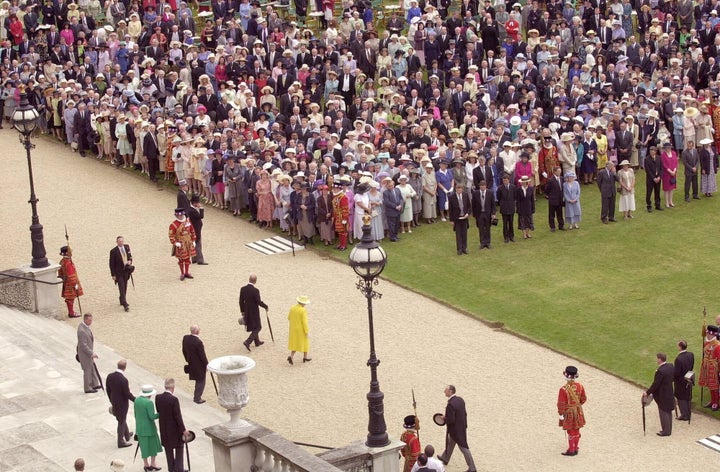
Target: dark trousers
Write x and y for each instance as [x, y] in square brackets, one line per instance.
[508, 230]
[461, 231]
[665, 421]
[608, 208]
[483, 224]
[685, 411]
[254, 337]
[123, 432]
[253, 206]
[122, 281]
[691, 180]
[450, 447]
[174, 457]
[153, 168]
[650, 187]
[555, 211]
[198, 248]
[393, 223]
[83, 145]
[199, 389]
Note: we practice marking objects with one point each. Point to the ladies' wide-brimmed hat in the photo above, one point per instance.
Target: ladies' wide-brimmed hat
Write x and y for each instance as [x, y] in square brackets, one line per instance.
[148, 390]
[303, 300]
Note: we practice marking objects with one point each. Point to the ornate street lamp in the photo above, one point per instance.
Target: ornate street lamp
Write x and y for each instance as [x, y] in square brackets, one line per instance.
[24, 120]
[368, 260]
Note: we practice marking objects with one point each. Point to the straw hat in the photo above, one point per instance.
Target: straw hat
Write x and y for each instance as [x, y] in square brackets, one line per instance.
[691, 112]
[303, 300]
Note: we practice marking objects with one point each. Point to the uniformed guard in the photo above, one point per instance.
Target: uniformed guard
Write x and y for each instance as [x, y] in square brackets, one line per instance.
[71, 288]
[182, 237]
[570, 401]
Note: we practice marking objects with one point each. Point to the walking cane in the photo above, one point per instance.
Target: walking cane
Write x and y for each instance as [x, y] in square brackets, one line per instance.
[187, 439]
[98, 375]
[269, 326]
[214, 384]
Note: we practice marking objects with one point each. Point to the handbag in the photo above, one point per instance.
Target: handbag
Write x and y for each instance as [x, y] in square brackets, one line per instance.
[673, 180]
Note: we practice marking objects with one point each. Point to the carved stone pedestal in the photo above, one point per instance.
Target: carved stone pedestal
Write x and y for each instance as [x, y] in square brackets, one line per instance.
[33, 296]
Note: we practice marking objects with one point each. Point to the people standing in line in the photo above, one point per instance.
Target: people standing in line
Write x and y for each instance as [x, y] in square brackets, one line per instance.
[71, 287]
[483, 208]
[709, 367]
[456, 423]
[298, 336]
[606, 182]
[684, 363]
[669, 161]
[691, 164]
[571, 399]
[172, 428]
[626, 179]
[507, 204]
[118, 391]
[709, 168]
[146, 428]
[525, 196]
[571, 194]
[193, 351]
[459, 212]
[86, 354]
[121, 268]
[196, 213]
[662, 392]
[554, 194]
[653, 175]
[411, 450]
[250, 303]
[182, 237]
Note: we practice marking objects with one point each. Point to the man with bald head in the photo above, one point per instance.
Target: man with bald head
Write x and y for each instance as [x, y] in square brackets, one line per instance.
[194, 353]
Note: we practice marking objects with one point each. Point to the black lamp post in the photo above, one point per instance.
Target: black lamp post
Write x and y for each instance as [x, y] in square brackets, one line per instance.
[368, 260]
[24, 120]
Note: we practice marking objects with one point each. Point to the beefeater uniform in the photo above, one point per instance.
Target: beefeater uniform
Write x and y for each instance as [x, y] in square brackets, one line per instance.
[71, 288]
[341, 213]
[547, 161]
[709, 366]
[411, 450]
[182, 237]
[571, 398]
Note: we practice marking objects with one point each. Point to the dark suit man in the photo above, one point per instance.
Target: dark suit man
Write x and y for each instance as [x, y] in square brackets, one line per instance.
[691, 163]
[250, 303]
[607, 183]
[456, 423]
[483, 209]
[346, 86]
[196, 213]
[118, 391]
[554, 193]
[392, 204]
[183, 201]
[684, 363]
[624, 143]
[150, 149]
[459, 206]
[82, 128]
[172, 428]
[653, 172]
[662, 391]
[121, 268]
[194, 353]
[506, 202]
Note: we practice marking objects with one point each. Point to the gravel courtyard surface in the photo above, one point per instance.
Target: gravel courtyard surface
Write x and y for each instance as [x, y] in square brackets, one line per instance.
[510, 385]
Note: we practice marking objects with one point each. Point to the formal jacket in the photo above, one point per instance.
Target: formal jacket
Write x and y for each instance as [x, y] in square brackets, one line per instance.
[194, 353]
[684, 362]
[691, 159]
[150, 146]
[391, 199]
[662, 388]
[479, 210]
[117, 265]
[171, 421]
[86, 344]
[183, 201]
[606, 182]
[118, 391]
[145, 417]
[250, 303]
[455, 211]
[506, 199]
[653, 168]
[456, 420]
[526, 201]
[554, 191]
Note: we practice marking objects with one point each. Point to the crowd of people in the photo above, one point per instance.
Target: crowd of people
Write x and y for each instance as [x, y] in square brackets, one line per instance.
[309, 125]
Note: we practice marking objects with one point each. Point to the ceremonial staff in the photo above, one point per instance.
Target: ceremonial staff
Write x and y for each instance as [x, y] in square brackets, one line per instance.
[702, 345]
[77, 296]
[417, 420]
[267, 317]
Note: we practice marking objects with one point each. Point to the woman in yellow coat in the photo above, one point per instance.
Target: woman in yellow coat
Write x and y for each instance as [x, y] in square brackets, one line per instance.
[298, 339]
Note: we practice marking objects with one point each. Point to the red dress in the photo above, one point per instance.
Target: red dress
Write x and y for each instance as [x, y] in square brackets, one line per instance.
[70, 278]
[266, 200]
[669, 162]
[182, 232]
[16, 31]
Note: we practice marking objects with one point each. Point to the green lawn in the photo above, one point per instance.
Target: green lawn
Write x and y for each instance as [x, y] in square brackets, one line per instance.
[609, 295]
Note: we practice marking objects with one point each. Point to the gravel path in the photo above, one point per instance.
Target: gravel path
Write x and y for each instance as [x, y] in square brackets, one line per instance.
[510, 385]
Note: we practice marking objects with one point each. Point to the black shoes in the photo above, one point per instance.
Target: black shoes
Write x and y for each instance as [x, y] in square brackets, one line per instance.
[569, 453]
[199, 402]
[125, 444]
[659, 208]
[306, 359]
[247, 346]
[91, 391]
[202, 263]
[660, 433]
[127, 307]
[188, 276]
[259, 343]
[290, 361]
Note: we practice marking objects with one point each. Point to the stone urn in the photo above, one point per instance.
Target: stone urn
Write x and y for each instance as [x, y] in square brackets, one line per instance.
[233, 394]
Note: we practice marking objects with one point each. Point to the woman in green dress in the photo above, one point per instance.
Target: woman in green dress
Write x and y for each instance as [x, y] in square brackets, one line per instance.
[146, 429]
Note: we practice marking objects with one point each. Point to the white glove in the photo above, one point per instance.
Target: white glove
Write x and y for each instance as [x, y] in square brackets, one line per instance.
[76, 286]
[178, 244]
[344, 222]
[545, 174]
[562, 417]
[193, 243]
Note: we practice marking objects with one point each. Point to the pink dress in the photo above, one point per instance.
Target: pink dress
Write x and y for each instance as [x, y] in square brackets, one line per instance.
[669, 161]
[266, 200]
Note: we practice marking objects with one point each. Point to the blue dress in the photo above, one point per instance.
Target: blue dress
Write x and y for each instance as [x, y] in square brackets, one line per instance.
[444, 178]
[571, 191]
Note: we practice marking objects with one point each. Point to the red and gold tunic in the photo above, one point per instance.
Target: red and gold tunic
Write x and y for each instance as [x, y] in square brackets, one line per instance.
[169, 163]
[341, 211]
[547, 160]
[715, 114]
[182, 232]
[570, 401]
[69, 276]
[411, 449]
[709, 366]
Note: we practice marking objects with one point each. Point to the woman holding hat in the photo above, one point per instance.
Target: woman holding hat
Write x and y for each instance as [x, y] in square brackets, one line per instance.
[626, 178]
[298, 335]
[571, 399]
[146, 429]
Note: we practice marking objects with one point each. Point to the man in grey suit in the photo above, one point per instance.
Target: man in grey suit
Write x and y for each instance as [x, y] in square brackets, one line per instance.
[691, 162]
[393, 204]
[607, 183]
[86, 354]
[624, 142]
